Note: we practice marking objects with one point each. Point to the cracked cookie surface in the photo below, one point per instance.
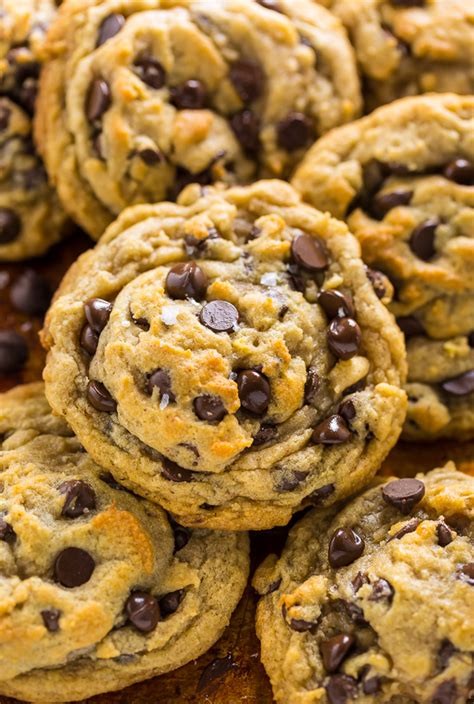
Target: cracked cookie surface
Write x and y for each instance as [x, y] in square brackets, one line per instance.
[403, 179]
[227, 356]
[141, 97]
[99, 588]
[374, 604]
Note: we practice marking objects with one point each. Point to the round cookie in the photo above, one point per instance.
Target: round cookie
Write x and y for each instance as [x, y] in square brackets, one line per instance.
[141, 97]
[374, 604]
[99, 588]
[227, 356]
[403, 179]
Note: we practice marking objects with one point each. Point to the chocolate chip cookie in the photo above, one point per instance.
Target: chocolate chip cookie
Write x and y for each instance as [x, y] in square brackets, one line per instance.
[403, 180]
[407, 47]
[99, 588]
[374, 604]
[228, 356]
[141, 98]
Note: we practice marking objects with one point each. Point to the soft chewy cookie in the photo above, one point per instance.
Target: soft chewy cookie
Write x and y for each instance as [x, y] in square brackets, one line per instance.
[227, 356]
[403, 179]
[98, 588]
[144, 96]
[374, 604]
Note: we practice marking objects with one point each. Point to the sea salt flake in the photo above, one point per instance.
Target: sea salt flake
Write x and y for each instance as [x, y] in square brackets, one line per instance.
[269, 279]
[165, 399]
[169, 314]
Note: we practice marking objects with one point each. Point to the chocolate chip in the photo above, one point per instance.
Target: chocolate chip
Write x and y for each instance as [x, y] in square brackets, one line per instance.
[181, 537]
[372, 685]
[446, 692]
[344, 337]
[295, 131]
[97, 312]
[384, 202]
[143, 611]
[410, 326]
[444, 534]
[149, 156]
[150, 71]
[73, 567]
[7, 534]
[31, 293]
[335, 304]
[309, 252]
[13, 351]
[142, 323]
[109, 27]
[98, 99]
[408, 3]
[161, 380]
[5, 114]
[335, 650]
[186, 280]
[191, 95]
[80, 498]
[403, 494]
[466, 573]
[331, 431]
[174, 473]
[264, 434]
[89, 340]
[270, 5]
[248, 79]
[254, 391]
[291, 481]
[382, 589]
[110, 481]
[347, 411]
[345, 547]
[10, 225]
[51, 619]
[169, 603]
[359, 580]
[470, 339]
[209, 408]
[460, 171]
[219, 316]
[422, 239]
[355, 613]
[300, 625]
[319, 496]
[246, 127]
[445, 653]
[460, 385]
[377, 279]
[312, 384]
[341, 689]
[409, 527]
[100, 398]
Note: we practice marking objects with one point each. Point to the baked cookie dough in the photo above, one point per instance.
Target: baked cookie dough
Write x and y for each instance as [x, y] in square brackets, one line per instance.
[99, 588]
[228, 357]
[403, 179]
[374, 604]
[141, 97]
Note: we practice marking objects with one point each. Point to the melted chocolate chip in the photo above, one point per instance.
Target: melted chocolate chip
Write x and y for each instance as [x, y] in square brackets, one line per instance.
[403, 494]
[246, 127]
[422, 239]
[446, 692]
[319, 496]
[345, 547]
[51, 619]
[445, 653]
[10, 225]
[331, 431]
[460, 385]
[466, 573]
[190, 95]
[150, 71]
[97, 312]
[209, 408]
[89, 340]
[79, 500]
[382, 590]
[264, 434]
[7, 534]
[336, 304]
[298, 624]
[98, 99]
[460, 171]
[174, 473]
[341, 689]
[270, 5]
[161, 380]
[181, 537]
[377, 279]
[409, 527]
[410, 326]
[344, 337]
[372, 685]
[149, 156]
[31, 293]
[99, 397]
[254, 391]
[73, 567]
[347, 411]
[291, 481]
[384, 202]
[248, 79]
[335, 650]
[13, 351]
[170, 602]
[443, 534]
[294, 132]
[309, 252]
[110, 26]
[219, 316]
[143, 611]
[312, 384]
[186, 280]
[355, 613]
[359, 580]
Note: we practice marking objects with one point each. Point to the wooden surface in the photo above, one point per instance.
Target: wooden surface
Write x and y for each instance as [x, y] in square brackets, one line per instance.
[230, 673]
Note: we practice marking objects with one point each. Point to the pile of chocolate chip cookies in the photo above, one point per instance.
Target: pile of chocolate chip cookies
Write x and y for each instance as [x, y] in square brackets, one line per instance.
[280, 289]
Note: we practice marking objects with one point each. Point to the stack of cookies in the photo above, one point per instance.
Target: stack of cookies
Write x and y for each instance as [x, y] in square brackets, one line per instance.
[280, 289]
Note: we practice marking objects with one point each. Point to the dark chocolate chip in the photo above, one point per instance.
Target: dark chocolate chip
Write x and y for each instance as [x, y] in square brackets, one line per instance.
[100, 398]
[344, 337]
[470, 339]
[89, 340]
[372, 685]
[466, 573]
[264, 434]
[79, 500]
[382, 590]
[446, 692]
[272, 587]
[347, 411]
[161, 380]
[73, 567]
[335, 650]
[5, 114]
[270, 5]
[359, 580]
[384, 202]
[190, 95]
[345, 547]
[331, 431]
[312, 384]
[319, 496]
[186, 280]
[51, 619]
[97, 312]
[149, 156]
[336, 304]
[7, 534]
[377, 279]
[310, 252]
[461, 171]
[254, 391]
[246, 127]
[295, 131]
[10, 225]
[209, 408]
[98, 99]
[341, 689]
[181, 537]
[410, 326]
[403, 494]
[170, 602]
[355, 613]
[174, 473]
[422, 239]
[460, 385]
[408, 3]
[31, 293]
[110, 481]
[150, 71]
[409, 527]
[219, 316]
[143, 611]
[443, 534]
[109, 27]
[248, 79]
[291, 481]
[300, 625]
[13, 351]
[445, 653]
